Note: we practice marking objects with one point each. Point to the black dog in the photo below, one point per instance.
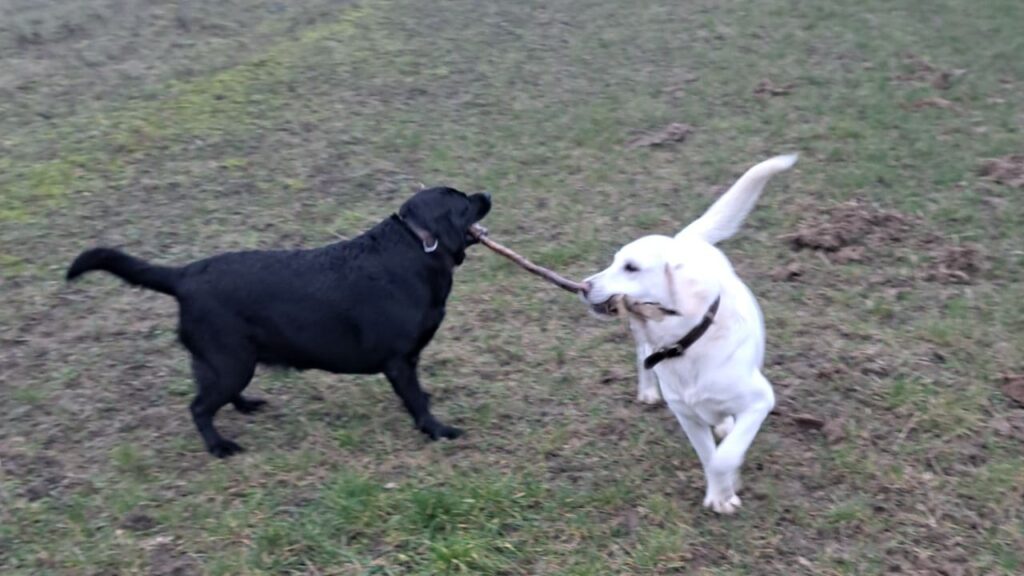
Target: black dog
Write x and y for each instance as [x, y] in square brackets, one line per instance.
[362, 306]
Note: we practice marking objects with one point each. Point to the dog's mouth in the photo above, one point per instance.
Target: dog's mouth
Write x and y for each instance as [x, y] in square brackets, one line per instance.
[474, 233]
[620, 305]
[609, 307]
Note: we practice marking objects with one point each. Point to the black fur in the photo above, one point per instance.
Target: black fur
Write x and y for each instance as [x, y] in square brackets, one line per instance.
[364, 306]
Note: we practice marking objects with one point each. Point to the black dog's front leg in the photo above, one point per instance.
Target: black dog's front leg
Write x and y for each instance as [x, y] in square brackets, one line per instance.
[402, 375]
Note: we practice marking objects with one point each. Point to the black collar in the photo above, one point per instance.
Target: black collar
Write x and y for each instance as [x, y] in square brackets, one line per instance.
[424, 237]
[679, 348]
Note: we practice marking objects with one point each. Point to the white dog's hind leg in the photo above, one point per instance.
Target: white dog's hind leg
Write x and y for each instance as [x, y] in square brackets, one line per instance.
[648, 391]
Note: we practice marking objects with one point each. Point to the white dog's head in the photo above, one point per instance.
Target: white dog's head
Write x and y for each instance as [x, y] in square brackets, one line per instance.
[682, 274]
[675, 274]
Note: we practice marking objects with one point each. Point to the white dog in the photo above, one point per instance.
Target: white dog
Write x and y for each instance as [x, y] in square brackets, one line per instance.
[699, 332]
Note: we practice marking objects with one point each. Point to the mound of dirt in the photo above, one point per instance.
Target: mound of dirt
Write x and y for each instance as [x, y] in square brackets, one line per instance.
[788, 273]
[917, 69]
[846, 227]
[855, 231]
[931, 102]
[42, 475]
[1008, 170]
[767, 88]
[956, 265]
[139, 522]
[1013, 387]
[674, 132]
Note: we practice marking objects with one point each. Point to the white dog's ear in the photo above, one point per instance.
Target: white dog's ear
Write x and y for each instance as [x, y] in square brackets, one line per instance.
[691, 294]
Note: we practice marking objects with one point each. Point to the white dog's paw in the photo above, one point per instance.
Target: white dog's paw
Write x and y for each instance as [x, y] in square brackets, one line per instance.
[723, 505]
[648, 395]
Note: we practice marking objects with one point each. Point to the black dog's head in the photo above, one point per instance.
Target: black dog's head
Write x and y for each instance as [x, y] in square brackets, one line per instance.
[447, 215]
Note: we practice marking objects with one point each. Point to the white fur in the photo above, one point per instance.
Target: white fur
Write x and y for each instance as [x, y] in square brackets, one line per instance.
[716, 388]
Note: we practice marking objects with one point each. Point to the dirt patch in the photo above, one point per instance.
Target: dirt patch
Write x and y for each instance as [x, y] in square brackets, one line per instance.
[42, 476]
[808, 421]
[678, 89]
[789, 273]
[1009, 425]
[139, 522]
[956, 265]
[834, 430]
[166, 560]
[674, 132]
[614, 376]
[848, 254]
[1013, 387]
[766, 88]
[853, 232]
[917, 69]
[844, 230]
[931, 102]
[945, 79]
[1008, 170]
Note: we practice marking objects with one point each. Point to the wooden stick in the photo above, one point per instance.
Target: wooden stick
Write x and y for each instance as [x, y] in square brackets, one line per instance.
[480, 233]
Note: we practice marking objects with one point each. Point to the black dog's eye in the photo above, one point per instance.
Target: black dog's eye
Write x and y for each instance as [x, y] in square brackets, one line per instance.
[630, 267]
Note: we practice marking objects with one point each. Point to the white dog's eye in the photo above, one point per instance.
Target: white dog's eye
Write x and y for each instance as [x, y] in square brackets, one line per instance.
[630, 267]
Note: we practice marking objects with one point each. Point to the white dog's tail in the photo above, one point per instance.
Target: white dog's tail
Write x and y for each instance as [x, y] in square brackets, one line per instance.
[724, 217]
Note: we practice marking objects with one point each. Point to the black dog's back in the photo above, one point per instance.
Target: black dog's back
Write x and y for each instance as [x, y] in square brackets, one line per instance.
[344, 308]
[290, 307]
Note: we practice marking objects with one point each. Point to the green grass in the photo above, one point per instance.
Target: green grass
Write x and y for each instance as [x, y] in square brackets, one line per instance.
[264, 126]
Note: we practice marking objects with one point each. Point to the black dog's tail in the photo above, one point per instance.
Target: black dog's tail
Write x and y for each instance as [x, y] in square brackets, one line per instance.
[129, 268]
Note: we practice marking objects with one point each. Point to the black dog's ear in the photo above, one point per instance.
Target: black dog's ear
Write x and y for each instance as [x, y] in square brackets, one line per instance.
[451, 234]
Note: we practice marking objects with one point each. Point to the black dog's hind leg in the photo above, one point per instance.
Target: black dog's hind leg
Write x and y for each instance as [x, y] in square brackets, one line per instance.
[218, 381]
[402, 375]
[247, 405]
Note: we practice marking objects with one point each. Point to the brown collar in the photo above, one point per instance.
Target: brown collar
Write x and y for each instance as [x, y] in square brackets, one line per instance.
[679, 348]
[428, 240]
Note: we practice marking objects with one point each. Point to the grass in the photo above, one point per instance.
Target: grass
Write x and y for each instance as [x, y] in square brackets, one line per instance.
[266, 125]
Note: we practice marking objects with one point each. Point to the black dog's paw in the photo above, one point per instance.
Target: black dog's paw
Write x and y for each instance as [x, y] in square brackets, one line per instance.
[224, 448]
[451, 432]
[249, 405]
[439, 431]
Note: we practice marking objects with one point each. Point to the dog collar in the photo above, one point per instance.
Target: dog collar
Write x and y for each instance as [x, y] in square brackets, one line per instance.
[680, 347]
[428, 240]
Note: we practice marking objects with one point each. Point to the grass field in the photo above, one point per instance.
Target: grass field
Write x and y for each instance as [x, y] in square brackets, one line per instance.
[888, 265]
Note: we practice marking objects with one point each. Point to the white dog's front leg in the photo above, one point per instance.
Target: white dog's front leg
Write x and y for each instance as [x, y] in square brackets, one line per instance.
[703, 443]
[648, 391]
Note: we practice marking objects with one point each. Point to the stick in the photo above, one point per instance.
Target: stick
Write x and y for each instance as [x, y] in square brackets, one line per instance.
[480, 233]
